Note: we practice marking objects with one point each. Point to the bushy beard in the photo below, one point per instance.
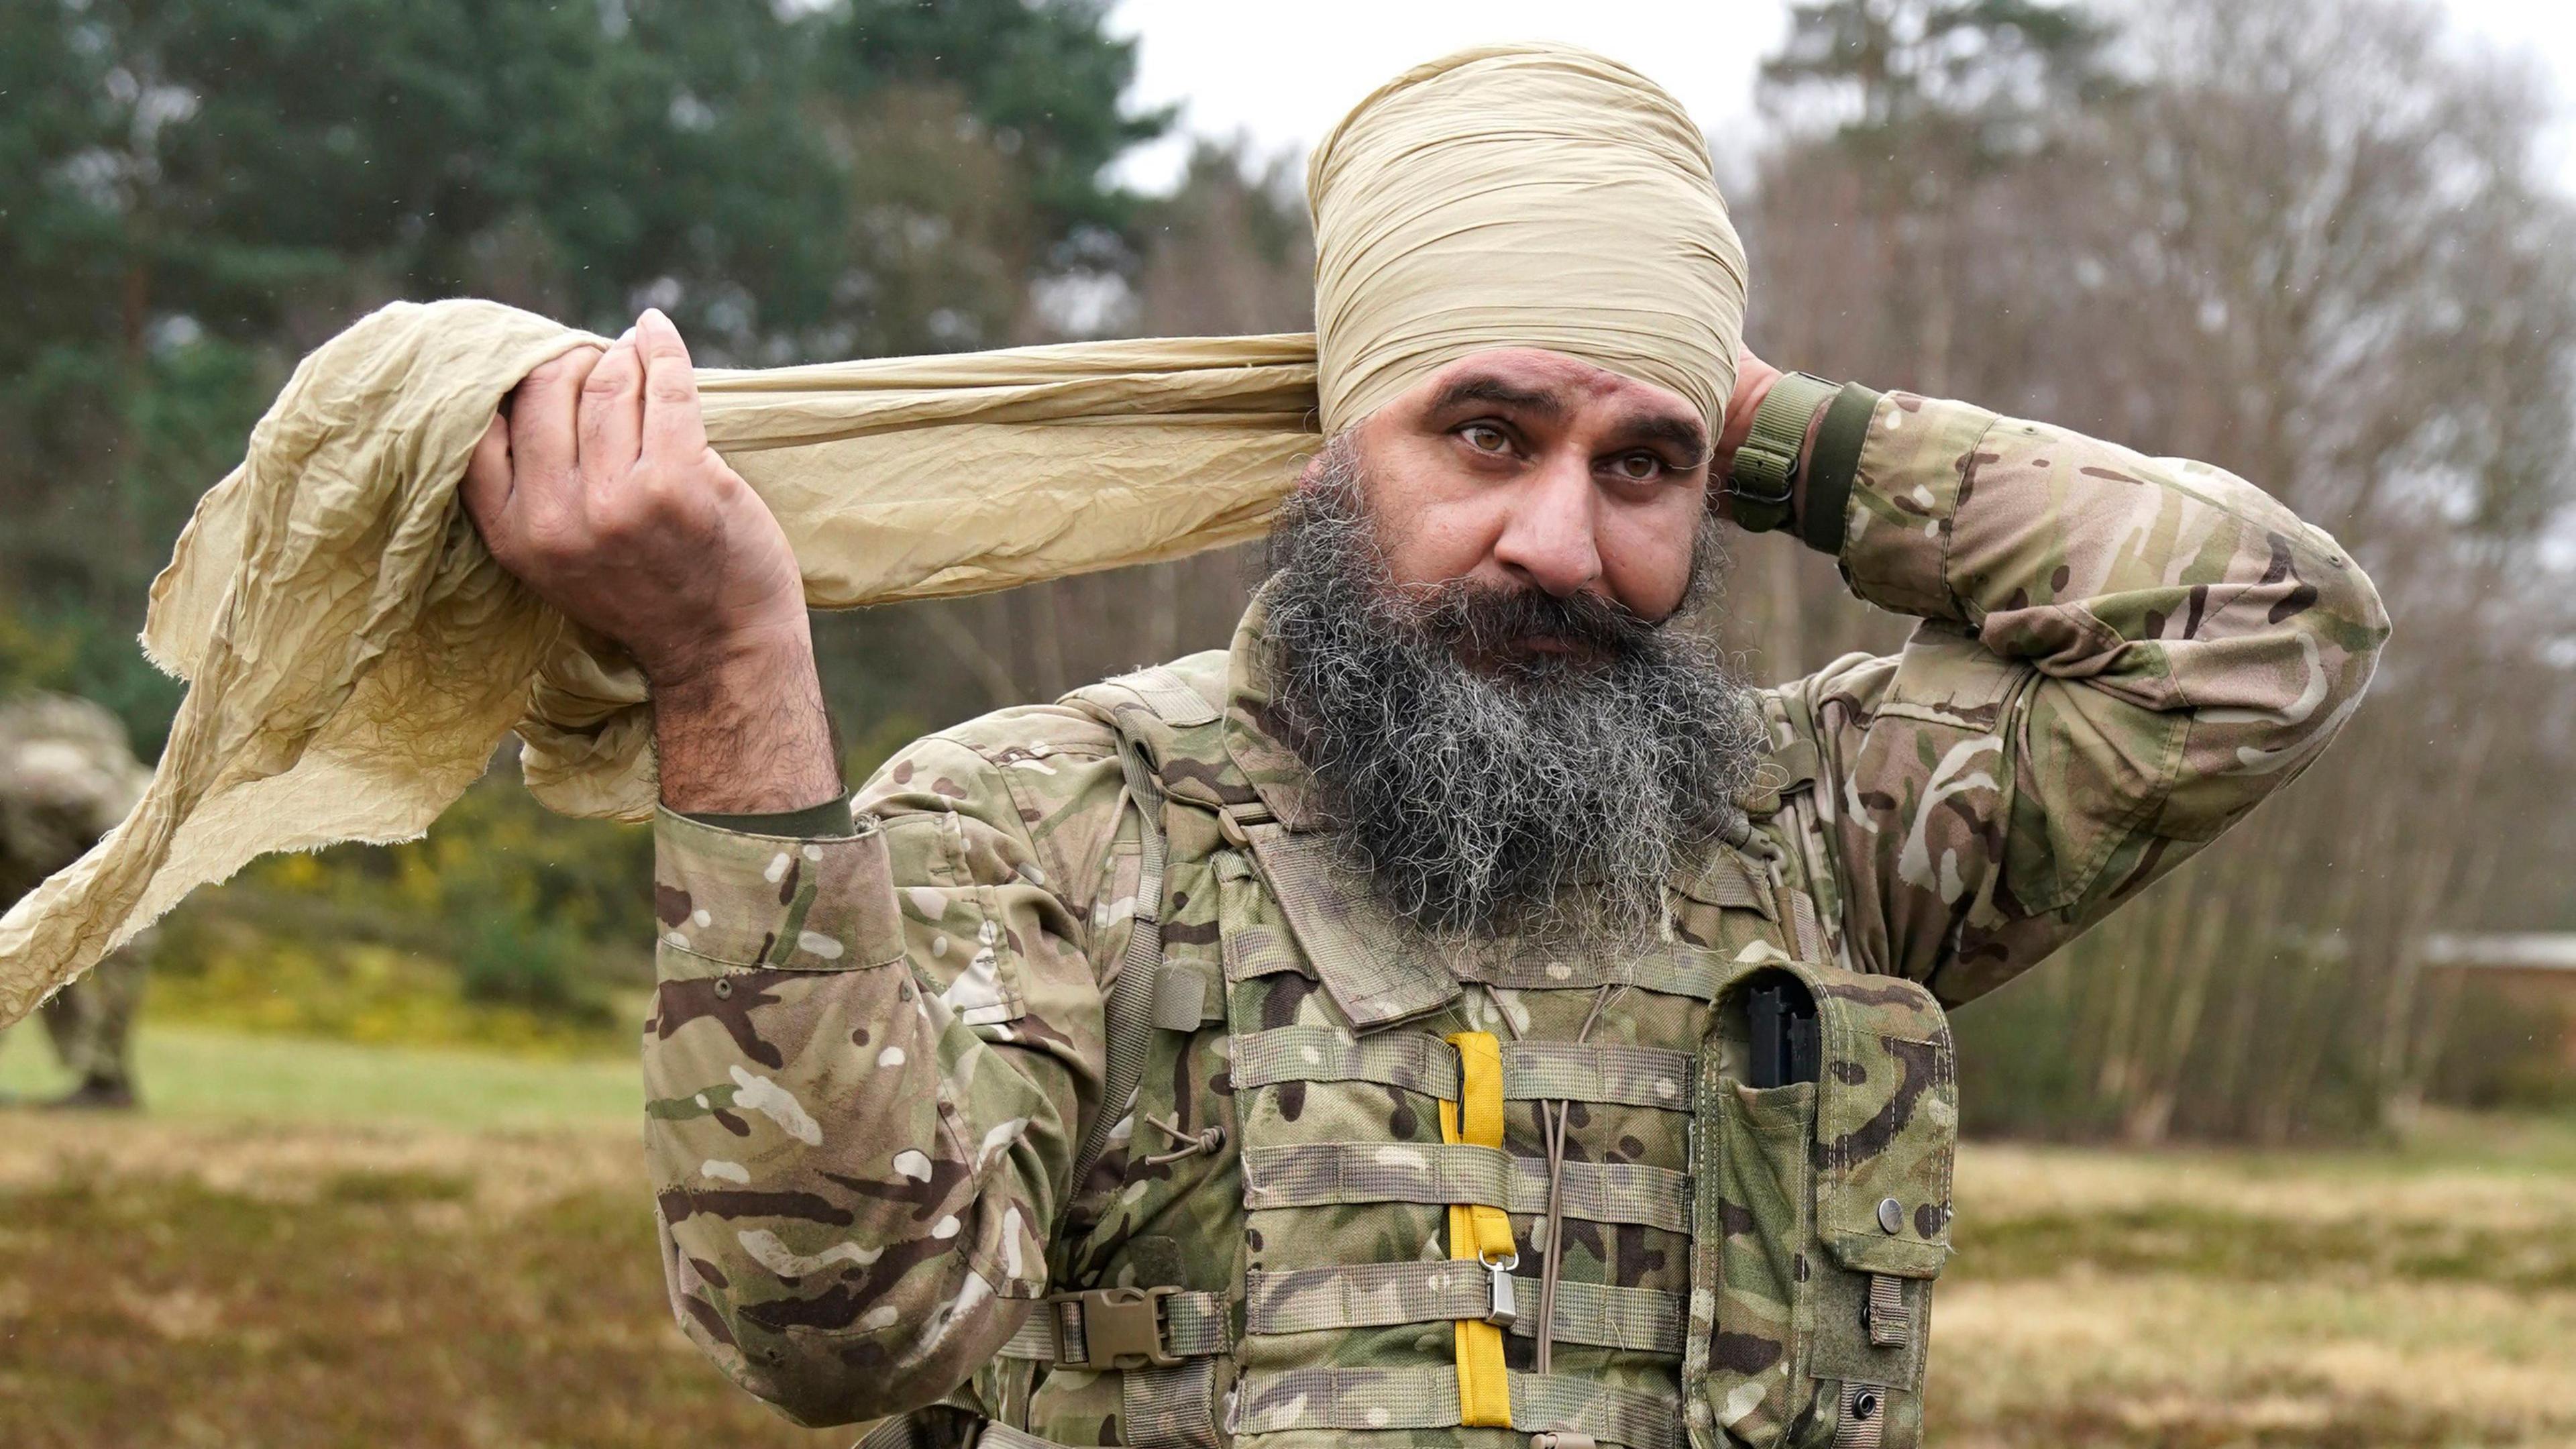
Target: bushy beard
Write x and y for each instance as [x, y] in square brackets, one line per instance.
[1544, 796]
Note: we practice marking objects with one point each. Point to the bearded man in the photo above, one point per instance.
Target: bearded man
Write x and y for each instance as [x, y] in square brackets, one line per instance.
[1461, 1010]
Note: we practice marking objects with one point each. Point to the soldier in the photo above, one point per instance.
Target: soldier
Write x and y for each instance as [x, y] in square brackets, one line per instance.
[66, 778]
[1461, 1008]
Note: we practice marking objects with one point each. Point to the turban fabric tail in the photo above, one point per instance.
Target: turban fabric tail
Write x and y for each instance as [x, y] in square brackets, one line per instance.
[354, 655]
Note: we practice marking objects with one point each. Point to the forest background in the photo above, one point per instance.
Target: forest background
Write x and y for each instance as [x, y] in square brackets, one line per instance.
[2306, 241]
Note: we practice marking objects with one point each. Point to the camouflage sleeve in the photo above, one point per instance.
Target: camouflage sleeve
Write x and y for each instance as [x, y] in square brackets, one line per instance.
[869, 1062]
[2120, 657]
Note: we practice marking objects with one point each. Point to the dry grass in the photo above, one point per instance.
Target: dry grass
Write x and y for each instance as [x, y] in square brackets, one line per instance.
[228, 1279]
[301, 1287]
[2424, 1297]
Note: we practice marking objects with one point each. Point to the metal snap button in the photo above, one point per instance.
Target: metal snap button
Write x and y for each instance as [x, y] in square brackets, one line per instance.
[1891, 1215]
[1865, 1405]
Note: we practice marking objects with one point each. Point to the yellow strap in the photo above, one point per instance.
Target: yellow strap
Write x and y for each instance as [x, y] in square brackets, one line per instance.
[1478, 1233]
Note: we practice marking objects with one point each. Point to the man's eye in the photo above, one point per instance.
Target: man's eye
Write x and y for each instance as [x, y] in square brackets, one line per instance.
[1485, 437]
[1638, 467]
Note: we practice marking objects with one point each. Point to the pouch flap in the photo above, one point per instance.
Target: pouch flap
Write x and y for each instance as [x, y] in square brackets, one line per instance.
[1887, 1122]
[1377, 969]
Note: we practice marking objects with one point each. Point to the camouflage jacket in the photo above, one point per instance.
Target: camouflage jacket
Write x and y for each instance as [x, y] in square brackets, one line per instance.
[873, 1057]
[67, 777]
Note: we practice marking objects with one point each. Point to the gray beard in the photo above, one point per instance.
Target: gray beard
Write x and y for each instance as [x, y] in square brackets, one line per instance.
[1544, 797]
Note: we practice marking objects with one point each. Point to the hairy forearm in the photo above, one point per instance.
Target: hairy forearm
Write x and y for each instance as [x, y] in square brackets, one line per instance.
[740, 729]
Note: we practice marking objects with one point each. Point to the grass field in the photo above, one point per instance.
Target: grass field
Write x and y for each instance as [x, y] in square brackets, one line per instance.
[197, 1075]
[315, 1245]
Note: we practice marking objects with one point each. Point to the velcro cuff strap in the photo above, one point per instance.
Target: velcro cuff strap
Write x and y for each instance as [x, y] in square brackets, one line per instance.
[1822, 518]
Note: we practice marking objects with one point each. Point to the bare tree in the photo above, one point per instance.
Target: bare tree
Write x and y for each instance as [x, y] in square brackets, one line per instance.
[2304, 242]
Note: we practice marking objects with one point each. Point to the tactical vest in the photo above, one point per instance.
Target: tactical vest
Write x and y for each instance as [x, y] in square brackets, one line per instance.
[1327, 1217]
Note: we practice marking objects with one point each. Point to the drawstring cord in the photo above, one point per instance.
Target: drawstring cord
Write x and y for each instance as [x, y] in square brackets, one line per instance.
[1800, 926]
[1208, 1140]
[1555, 1114]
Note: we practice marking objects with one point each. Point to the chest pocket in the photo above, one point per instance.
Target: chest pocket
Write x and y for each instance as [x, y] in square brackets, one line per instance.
[1821, 1215]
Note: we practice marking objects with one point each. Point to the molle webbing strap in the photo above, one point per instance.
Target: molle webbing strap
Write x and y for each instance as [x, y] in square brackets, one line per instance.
[903, 1431]
[1323, 1174]
[1417, 1062]
[1809, 935]
[993, 1435]
[1479, 1233]
[1724, 878]
[1890, 1326]
[1381, 1295]
[1170, 1408]
[1863, 1420]
[1187, 996]
[1169, 696]
[1130, 1007]
[1664, 974]
[1282, 1401]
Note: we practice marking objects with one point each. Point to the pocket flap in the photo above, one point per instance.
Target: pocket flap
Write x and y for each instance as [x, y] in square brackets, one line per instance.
[1887, 1122]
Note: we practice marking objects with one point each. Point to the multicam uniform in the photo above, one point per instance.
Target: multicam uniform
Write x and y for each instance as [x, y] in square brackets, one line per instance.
[67, 777]
[877, 1059]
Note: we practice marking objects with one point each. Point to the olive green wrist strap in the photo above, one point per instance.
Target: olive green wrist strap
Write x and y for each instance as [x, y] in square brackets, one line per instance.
[1762, 485]
[1822, 520]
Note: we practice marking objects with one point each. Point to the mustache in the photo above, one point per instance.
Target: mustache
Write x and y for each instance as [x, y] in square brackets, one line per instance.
[1499, 621]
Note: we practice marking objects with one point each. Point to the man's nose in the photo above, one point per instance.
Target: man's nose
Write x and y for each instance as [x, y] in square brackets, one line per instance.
[1548, 536]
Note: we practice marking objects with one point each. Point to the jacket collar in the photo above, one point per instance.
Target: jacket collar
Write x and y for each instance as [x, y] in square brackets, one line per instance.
[1287, 788]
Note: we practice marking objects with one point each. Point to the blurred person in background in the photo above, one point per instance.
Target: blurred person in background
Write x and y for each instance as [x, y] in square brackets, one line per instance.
[67, 776]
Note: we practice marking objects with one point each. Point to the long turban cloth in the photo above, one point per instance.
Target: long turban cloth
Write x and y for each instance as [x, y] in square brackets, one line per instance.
[355, 655]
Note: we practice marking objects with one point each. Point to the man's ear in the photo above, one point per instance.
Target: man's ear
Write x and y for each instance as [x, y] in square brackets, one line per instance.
[1344, 444]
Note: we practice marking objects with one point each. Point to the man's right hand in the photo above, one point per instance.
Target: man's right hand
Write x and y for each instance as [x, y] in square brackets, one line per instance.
[596, 488]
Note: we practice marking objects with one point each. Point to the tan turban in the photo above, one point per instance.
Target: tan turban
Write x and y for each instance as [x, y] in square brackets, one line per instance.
[355, 655]
[1521, 196]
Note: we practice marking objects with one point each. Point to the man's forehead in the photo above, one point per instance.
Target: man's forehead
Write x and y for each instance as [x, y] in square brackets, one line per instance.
[1539, 377]
[1558, 388]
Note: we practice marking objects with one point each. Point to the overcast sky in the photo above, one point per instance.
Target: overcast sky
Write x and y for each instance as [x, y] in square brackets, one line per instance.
[1236, 68]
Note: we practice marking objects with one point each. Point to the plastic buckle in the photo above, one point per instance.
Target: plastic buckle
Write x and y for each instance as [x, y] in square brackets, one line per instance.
[1121, 1328]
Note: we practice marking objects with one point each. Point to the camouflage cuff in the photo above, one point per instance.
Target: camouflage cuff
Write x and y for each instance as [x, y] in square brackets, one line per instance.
[726, 898]
[1910, 478]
